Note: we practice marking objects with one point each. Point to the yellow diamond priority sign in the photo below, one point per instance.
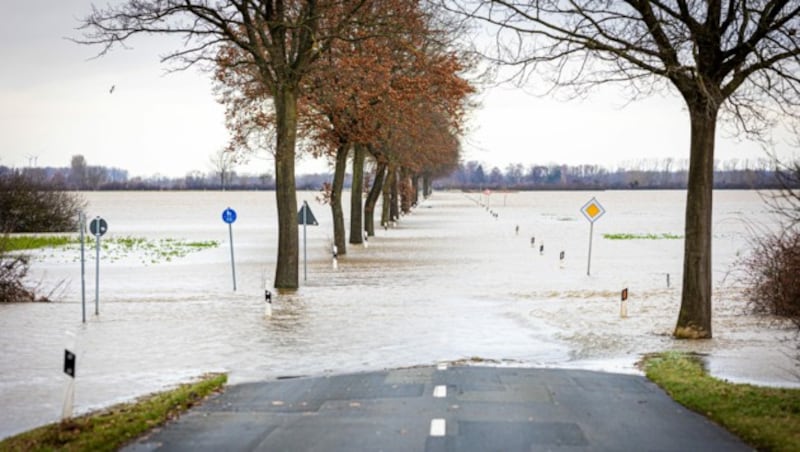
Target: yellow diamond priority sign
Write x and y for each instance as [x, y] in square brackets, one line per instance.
[592, 210]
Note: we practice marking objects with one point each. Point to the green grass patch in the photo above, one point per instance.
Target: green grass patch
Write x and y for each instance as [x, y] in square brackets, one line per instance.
[765, 418]
[151, 250]
[148, 251]
[112, 428]
[31, 242]
[629, 236]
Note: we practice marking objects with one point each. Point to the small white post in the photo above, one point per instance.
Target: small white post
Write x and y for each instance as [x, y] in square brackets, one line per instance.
[70, 352]
[623, 307]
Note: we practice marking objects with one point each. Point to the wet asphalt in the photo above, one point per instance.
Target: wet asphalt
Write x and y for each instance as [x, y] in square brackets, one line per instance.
[444, 409]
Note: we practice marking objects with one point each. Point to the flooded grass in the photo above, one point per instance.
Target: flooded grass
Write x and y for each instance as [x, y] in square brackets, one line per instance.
[147, 250]
[113, 427]
[766, 418]
[30, 242]
[649, 236]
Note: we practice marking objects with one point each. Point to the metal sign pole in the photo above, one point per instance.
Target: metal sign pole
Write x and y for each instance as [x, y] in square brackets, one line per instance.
[592, 210]
[82, 226]
[233, 266]
[589, 263]
[97, 276]
[305, 254]
[229, 216]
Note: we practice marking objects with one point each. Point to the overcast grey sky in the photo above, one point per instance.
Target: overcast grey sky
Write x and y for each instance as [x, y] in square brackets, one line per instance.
[55, 103]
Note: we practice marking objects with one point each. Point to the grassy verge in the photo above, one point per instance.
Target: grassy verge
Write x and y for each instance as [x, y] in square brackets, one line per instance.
[765, 418]
[111, 428]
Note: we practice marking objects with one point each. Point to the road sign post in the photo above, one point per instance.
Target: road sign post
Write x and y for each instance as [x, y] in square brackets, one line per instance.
[229, 216]
[305, 217]
[592, 210]
[82, 228]
[97, 227]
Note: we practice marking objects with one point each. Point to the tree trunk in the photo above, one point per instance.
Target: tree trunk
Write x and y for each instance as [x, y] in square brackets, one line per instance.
[286, 269]
[386, 214]
[426, 186]
[372, 199]
[356, 196]
[339, 239]
[394, 202]
[415, 183]
[406, 191]
[694, 320]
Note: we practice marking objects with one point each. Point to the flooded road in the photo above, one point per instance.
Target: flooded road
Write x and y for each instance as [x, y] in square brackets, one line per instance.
[449, 282]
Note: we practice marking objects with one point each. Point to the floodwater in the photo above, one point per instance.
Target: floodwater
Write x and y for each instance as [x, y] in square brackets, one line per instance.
[448, 282]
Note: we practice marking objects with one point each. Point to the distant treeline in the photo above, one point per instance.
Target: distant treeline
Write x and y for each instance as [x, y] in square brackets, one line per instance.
[104, 178]
[644, 174]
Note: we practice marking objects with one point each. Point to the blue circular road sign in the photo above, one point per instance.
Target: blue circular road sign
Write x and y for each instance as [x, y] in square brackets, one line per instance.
[229, 215]
[98, 227]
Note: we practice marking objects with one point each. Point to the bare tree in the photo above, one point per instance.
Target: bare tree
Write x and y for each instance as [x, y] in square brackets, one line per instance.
[280, 40]
[223, 162]
[737, 58]
[78, 172]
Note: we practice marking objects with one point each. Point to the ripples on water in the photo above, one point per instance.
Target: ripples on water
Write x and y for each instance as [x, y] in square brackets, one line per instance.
[449, 282]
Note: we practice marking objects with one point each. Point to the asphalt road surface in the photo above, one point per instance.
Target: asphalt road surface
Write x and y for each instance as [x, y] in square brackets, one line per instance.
[444, 409]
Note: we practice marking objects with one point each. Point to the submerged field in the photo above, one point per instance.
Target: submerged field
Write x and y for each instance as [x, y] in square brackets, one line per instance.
[450, 282]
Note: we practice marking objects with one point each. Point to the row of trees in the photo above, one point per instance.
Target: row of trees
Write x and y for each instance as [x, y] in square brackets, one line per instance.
[655, 174]
[732, 59]
[378, 79]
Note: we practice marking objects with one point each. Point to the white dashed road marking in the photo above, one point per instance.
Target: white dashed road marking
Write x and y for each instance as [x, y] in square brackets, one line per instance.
[438, 427]
[440, 391]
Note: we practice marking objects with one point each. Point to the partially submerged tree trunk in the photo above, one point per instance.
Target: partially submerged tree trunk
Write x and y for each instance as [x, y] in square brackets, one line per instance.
[694, 319]
[286, 269]
[426, 185]
[394, 197]
[372, 199]
[356, 196]
[415, 187]
[336, 198]
[406, 191]
[386, 215]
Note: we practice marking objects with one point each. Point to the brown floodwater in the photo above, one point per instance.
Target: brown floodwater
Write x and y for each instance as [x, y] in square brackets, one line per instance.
[449, 282]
